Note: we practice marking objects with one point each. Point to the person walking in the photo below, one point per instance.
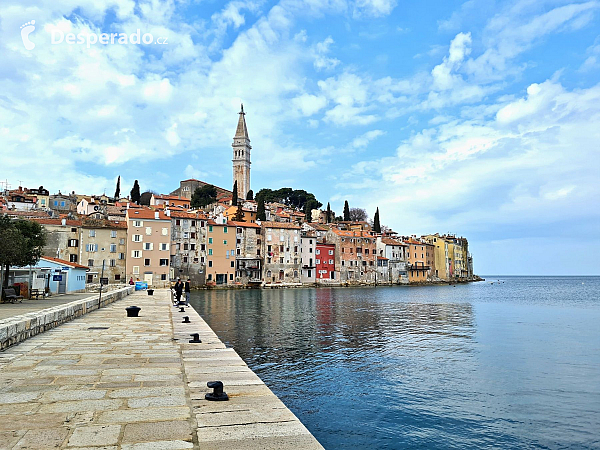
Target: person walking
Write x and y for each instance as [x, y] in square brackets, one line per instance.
[187, 292]
[178, 290]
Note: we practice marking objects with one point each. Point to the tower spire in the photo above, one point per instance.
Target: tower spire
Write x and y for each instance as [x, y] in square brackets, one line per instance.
[241, 131]
[241, 156]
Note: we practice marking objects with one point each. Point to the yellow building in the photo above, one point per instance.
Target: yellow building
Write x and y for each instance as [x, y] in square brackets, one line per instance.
[441, 267]
[249, 215]
[220, 252]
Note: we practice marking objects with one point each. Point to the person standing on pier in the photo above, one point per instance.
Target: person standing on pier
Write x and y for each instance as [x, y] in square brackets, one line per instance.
[178, 291]
[187, 292]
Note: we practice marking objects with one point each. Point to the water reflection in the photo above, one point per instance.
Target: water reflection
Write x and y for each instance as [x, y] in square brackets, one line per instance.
[432, 367]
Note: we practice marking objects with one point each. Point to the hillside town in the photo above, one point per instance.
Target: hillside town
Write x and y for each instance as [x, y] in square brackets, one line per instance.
[218, 237]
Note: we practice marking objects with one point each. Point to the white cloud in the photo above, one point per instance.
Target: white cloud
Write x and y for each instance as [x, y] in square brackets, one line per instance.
[321, 60]
[309, 104]
[373, 8]
[364, 139]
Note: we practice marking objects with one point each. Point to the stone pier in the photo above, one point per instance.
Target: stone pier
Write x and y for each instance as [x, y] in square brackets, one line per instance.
[111, 382]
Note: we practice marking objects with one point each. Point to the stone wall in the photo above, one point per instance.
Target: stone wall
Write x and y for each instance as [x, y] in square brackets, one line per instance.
[18, 328]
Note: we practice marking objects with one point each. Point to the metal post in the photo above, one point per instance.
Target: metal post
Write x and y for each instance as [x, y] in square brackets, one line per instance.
[30, 281]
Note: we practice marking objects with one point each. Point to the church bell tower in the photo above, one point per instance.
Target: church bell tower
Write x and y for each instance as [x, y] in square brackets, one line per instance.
[241, 157]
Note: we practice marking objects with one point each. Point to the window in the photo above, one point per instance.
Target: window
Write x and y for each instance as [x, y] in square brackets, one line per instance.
[117, 277]
[295, 249]
[268, 248]
[202, 247]
[73, 243]
[163, 276]
[224, 242]
[331, 261]
[121, 241]
[165, 231]
[331, 252]
[73, 258]
[210, 240]
[318, 252]
[232, 263]
[185, 259]
[310, 250]
[177, 222]
[202, 260]
[148, 246]
[147, 261]
[193, 223]
[185, 246]
[281, 248]
[164, 262]
[268, 237]
[185, 235]
[62, 203]
[92, 233]
[121, 255]
[202, 223]
[318, 261]
[113, 234]
[136, 270]
[148, 231]
[192, 246]
[231, 275]
[195, 260]
[91, 247]
[137, 238]
[113, 248]
[210, 251]
[137, 223]
[73, 230]
[209, 264]
[112, 263]
[164, 246]
[90, 263]
[136, 254]
[281, 260]
[210, 277]
[224, 229]
[210, 228]
[193, 235]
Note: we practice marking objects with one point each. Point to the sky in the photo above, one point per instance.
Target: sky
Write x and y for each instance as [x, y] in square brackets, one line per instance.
[477, 118]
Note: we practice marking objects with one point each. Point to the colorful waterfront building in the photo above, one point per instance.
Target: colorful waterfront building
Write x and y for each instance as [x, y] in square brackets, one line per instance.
[325, 262]
[221, 243]
[281, 243]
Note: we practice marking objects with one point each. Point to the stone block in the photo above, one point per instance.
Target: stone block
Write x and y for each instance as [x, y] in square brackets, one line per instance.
[158, 431]
[95, 435]
[41, 439]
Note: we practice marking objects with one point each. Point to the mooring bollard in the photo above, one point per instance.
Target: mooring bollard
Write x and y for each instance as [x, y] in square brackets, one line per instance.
[186, 319]
[133, 311]
[217, 394]
[182, 309]
[195, 338]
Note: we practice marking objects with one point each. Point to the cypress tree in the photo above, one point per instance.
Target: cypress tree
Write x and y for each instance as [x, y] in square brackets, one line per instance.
[118, 190]
[346, 212]
[250, 195]
[135, 192]
[376, 224]
[234, 201]
[239, 214]
[328, 218]
[260, 210]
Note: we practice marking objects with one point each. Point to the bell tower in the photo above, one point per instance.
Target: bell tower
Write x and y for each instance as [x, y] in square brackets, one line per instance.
[241, 156]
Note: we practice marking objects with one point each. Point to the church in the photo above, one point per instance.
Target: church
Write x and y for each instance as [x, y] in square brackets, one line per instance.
[241, 166]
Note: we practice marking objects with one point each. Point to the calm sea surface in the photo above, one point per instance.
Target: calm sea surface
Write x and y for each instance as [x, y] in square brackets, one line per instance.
[513, 363]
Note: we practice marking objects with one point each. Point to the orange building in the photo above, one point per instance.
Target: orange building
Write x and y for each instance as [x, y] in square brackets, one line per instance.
[356, 253]
[220, 252]
[420, 257]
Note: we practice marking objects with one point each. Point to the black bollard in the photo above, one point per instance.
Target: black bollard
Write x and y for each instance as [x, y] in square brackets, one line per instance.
[133, 311]
[182, 309]
[186, 319]
[217, 394]
[195, 338]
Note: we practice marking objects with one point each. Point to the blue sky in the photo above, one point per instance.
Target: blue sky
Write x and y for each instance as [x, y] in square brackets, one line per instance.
[475, 118]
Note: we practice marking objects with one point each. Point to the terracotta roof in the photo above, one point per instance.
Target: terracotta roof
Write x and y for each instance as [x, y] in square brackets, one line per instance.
[103, 223]
[292, 226]
[171, 197]
[390, 241]
[187, 215]
[30, 213]
[382, 257]
[146, 214]
[364, 234]
[63, 262]
[245, 224]
[71, 223]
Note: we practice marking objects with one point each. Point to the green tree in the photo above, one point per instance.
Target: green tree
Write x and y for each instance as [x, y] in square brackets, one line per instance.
[376, 224]
[346, 212]
[328, 214]
[135, 192]
[239, 213]
[21, 243]
[204, 196]
[260, 209]
[118, 189]
[250, 195]
[234, 200]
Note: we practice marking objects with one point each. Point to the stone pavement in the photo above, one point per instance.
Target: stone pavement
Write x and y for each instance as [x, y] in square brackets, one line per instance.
[111, 382]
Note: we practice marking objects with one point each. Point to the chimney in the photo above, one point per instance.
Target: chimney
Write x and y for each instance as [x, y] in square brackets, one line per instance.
[63, 222]
[156, 213]
[168, 213]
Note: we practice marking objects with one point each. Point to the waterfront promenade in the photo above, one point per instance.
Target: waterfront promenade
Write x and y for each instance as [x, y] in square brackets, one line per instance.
[137, 383]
